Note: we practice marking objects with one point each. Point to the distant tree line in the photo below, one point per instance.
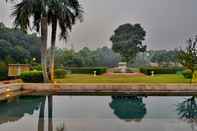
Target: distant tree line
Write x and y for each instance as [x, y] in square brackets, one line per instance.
[101, 57]
[164, 57]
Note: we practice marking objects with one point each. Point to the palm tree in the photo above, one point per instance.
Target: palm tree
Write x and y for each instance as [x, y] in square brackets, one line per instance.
[37, 9]
[65, 13]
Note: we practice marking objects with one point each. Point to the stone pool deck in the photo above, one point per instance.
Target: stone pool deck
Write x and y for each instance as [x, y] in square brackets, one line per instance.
[102, 89]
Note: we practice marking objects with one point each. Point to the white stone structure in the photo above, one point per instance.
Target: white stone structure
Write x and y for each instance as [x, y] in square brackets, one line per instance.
[122, 66]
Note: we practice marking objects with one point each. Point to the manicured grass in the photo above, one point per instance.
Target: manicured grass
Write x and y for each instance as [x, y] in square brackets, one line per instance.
[124, 79]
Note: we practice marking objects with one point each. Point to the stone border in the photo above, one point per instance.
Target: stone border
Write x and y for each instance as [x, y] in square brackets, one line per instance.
[82, 89]
[137, 89]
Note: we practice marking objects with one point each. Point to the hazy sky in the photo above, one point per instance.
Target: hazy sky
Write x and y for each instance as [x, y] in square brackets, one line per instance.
[168, 22]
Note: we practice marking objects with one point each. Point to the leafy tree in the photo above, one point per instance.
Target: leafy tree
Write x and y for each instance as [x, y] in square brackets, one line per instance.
[18, 47]
[188, 57]
[65, 13]
[127, 40]
[36, 9]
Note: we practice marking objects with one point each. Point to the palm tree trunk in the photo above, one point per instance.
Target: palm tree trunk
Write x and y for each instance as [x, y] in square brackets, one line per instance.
[52, 55]
[44, 33]
[41, 115]
[50, 113]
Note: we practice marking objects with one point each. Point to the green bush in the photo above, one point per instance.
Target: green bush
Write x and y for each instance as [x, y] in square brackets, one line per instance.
[88, 70]
[37, 68]
[157, 70]
[32, 77]
[187, 74]
[3, 71]
[60, 73]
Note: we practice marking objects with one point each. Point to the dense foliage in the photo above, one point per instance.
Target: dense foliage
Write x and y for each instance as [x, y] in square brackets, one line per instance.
[101, 57]
[3, 71]
[128, 41]
[18, 47]
[32, 77]
[157, 70]
[188, 56]
[60, 73]
[187, 74]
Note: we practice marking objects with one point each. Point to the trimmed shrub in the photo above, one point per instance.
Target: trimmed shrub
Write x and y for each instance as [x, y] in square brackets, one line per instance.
[187, 74]
[88, 70]
[157, 70]
[37, 68]
[60, 73]
[3, 71]
[32, 77]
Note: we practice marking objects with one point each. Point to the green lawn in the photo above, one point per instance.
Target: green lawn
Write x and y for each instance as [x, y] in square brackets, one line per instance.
[124, 79]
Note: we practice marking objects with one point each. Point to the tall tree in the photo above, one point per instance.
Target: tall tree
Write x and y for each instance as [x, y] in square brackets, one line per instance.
[188, 57]
[36, 9]
[127, 40]
[65, 13]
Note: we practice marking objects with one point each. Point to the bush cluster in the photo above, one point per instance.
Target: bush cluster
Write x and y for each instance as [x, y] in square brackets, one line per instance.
[88, 70]
[187, 74]
[37, 67]
[3, 71]
[32, 77]
[60, 73]
[157, 70]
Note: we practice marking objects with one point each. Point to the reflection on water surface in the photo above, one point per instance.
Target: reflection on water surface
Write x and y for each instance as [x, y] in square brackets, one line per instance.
[99, 113]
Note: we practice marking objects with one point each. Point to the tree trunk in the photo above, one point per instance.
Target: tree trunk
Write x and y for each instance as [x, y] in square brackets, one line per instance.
[52, 55]
[41, 115]
[50, 113]
[44, 33]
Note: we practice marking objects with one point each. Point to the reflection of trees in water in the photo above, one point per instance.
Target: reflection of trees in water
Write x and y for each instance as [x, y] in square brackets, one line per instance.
[41, 115]
[15, 110]
[187, 111]
[128, 108]
[61, 128]
[41, 120]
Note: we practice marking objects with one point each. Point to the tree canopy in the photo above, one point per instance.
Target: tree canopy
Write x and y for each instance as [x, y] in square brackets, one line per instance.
[188, 57]
[18, 47]
[128, 40]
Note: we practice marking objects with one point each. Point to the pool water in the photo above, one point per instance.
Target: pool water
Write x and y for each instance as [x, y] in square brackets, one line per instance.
[99, 113]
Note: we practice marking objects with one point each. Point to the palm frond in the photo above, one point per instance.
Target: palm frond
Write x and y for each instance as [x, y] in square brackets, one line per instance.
[22, 12]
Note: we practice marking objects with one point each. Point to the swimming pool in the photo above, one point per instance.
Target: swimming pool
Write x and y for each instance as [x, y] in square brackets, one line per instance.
[99, 113]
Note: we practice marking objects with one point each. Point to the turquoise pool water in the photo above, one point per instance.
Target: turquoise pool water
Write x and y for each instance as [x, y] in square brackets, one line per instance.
[99, 113]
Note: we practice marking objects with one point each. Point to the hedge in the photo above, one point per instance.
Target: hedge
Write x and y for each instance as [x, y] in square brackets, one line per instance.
[3, 71]
[88, 70]
[60, 73]
[32, 77]
[187, 74]
[37, 68]
[157, 70]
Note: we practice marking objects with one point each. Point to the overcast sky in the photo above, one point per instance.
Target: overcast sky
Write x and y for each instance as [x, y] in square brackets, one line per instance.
[168, 23]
